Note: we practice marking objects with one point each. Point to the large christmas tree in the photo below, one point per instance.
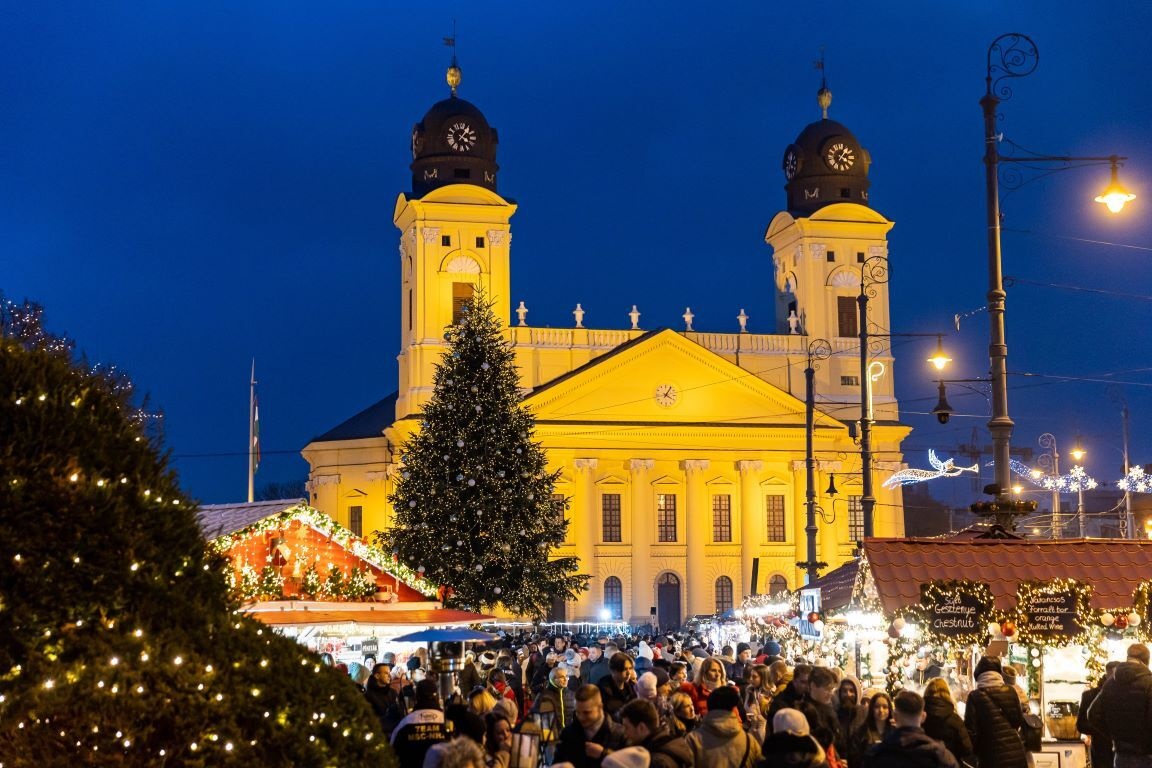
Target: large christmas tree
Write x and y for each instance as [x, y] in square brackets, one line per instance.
[119, 644]
[475, 509]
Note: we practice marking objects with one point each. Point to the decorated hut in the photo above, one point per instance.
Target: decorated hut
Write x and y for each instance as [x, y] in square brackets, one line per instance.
[300, 571]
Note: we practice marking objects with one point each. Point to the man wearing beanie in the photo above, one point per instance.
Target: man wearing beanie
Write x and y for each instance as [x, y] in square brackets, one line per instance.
[743, 661]
[907, 746]
[721, 739]
[1123, 710]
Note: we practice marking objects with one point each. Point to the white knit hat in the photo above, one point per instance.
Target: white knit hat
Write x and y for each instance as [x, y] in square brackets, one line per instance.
[629, 757]
[791, 721]
[646, 686]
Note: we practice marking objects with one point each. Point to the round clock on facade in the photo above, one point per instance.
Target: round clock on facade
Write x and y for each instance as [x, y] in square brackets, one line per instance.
[791, 163]
[461, 137]
[417, 143]
[666, 395]
[839, 156]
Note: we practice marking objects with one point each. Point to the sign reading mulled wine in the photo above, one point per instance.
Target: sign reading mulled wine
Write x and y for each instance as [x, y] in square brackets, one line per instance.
[956, 610]
[1052, 611]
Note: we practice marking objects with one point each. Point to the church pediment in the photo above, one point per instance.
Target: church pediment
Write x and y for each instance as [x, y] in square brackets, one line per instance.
[663, 378]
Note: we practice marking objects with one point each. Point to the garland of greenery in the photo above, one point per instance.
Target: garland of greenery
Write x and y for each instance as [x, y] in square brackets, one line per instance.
[325, 525]
[1028, 591]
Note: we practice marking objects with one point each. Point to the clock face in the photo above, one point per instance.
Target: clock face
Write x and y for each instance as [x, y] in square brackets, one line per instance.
[417, 142]
[666, 395]
[839, 156]
[791, 163]
[461, 137]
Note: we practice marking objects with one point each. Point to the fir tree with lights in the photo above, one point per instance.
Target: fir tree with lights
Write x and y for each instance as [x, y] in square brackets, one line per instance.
[119, 641]
[475, 510]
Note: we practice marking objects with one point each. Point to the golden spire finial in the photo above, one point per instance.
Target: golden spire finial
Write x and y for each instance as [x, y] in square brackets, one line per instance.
[454, 73]
[823, 96]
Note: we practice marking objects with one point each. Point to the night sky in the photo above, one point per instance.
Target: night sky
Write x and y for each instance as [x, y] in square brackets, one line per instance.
[187, 186]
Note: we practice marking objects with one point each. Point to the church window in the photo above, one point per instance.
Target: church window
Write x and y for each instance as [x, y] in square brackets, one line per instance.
[859, 257]
[846, 316]
[830, 256]
[723, 594]
[666, 517]
[356, 520]
[463, 173]
[479, 242]
[610, 516]
[445, 240]
[855, 518]
[614, 598]
[722, 518]
[849, 381]
[461, 295]
[774, 515]
[777, 585]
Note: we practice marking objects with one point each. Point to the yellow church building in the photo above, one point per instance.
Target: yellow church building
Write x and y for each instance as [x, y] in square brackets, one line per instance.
[682, 452]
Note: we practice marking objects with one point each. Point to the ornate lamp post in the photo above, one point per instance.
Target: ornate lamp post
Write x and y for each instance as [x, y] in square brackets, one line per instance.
[818, 349]
[1009, 56]
[1050, 462]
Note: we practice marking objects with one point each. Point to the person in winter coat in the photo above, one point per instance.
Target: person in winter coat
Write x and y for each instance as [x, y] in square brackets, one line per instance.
[907, 746]
[642, 729]
[470, 678]
[710, 676]
[720, 741]
[822, 718]
[596, 668]
[420, 728]
[758, 700]
[994, 718]
[557, 697]
[876, 725]
[619, 687]
[1100, 745]
[743, 661]
[592, 735]
[943, 724]
[791, 745]
[685, 712]
[1123, 710]
[795, 691]
[849, 713]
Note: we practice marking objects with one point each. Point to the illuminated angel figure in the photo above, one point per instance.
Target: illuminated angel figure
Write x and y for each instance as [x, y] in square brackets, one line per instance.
[946, 468]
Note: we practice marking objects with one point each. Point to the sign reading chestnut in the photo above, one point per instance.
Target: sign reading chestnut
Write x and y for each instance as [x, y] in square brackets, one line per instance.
[956, 609]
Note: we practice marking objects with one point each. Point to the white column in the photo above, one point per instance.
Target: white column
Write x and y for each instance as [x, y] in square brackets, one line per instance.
[751, 525]
[696, 518]
[586, 536]
[643, 585]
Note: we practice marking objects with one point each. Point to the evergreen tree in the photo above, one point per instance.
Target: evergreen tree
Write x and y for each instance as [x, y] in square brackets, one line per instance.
[119, 643]
[474, 504]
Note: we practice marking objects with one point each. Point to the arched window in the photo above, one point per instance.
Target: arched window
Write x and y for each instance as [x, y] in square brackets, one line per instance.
[614, 598]
[723, 594]
[777, 585]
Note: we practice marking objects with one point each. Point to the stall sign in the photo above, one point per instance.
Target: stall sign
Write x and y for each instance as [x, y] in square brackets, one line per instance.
[956, 609]
[1050, 612]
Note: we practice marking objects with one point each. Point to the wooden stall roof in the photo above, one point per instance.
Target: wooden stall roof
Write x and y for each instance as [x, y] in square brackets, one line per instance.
[408, 617]
[1114, 567]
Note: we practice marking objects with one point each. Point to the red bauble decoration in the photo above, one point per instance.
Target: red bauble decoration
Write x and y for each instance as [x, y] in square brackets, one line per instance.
[1007, 628]
[1121, 621]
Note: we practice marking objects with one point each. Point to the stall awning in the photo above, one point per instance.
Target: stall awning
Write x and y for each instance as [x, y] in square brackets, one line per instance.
[409, 617]
[1114, 568]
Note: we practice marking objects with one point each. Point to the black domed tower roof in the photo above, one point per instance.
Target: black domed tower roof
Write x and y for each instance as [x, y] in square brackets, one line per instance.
[825, 165]
[453, 144]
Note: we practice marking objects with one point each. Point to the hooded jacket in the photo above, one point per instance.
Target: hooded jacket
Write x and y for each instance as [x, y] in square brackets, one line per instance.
[668, 751]
[943, 724]
[994, 717]
[1123, 710]
[789, 750]
[850, 717]
[720, 742]
[909, 748]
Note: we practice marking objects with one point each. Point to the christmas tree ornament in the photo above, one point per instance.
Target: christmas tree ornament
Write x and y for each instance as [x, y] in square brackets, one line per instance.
[459, 443]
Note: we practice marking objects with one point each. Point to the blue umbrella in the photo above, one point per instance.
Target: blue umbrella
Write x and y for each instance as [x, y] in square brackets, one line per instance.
[450, 635]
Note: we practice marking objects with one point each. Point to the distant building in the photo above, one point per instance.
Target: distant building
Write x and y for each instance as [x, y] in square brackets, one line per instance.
[682, 451]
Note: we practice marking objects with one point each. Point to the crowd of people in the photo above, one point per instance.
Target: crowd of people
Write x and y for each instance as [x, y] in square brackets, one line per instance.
[591, 702]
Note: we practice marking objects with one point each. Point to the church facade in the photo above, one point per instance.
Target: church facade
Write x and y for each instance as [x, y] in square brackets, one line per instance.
[683, 453]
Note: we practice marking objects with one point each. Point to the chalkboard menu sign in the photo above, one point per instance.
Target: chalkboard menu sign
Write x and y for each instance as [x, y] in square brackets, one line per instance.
[1050, 611]
[956, 611]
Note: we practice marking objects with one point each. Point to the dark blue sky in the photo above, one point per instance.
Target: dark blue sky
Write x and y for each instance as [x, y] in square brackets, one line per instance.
[188, 185]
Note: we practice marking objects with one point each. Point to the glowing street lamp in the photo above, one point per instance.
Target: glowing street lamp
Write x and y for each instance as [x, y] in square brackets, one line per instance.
[1114, 195]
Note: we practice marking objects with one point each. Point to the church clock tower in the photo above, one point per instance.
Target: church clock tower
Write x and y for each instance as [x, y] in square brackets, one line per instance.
[455, 236]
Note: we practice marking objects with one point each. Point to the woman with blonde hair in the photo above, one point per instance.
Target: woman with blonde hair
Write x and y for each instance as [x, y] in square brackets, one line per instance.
[942, 723]
[480, 701]
[758, 699]
[709, 676]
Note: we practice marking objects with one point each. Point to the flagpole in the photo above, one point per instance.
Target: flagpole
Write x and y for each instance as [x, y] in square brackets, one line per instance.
[252, 435]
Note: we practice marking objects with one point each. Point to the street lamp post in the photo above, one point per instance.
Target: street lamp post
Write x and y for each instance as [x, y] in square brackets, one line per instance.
[1077, 454]
[818, 349]
[874, 270]
[1009, 56]
[1051, 462]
